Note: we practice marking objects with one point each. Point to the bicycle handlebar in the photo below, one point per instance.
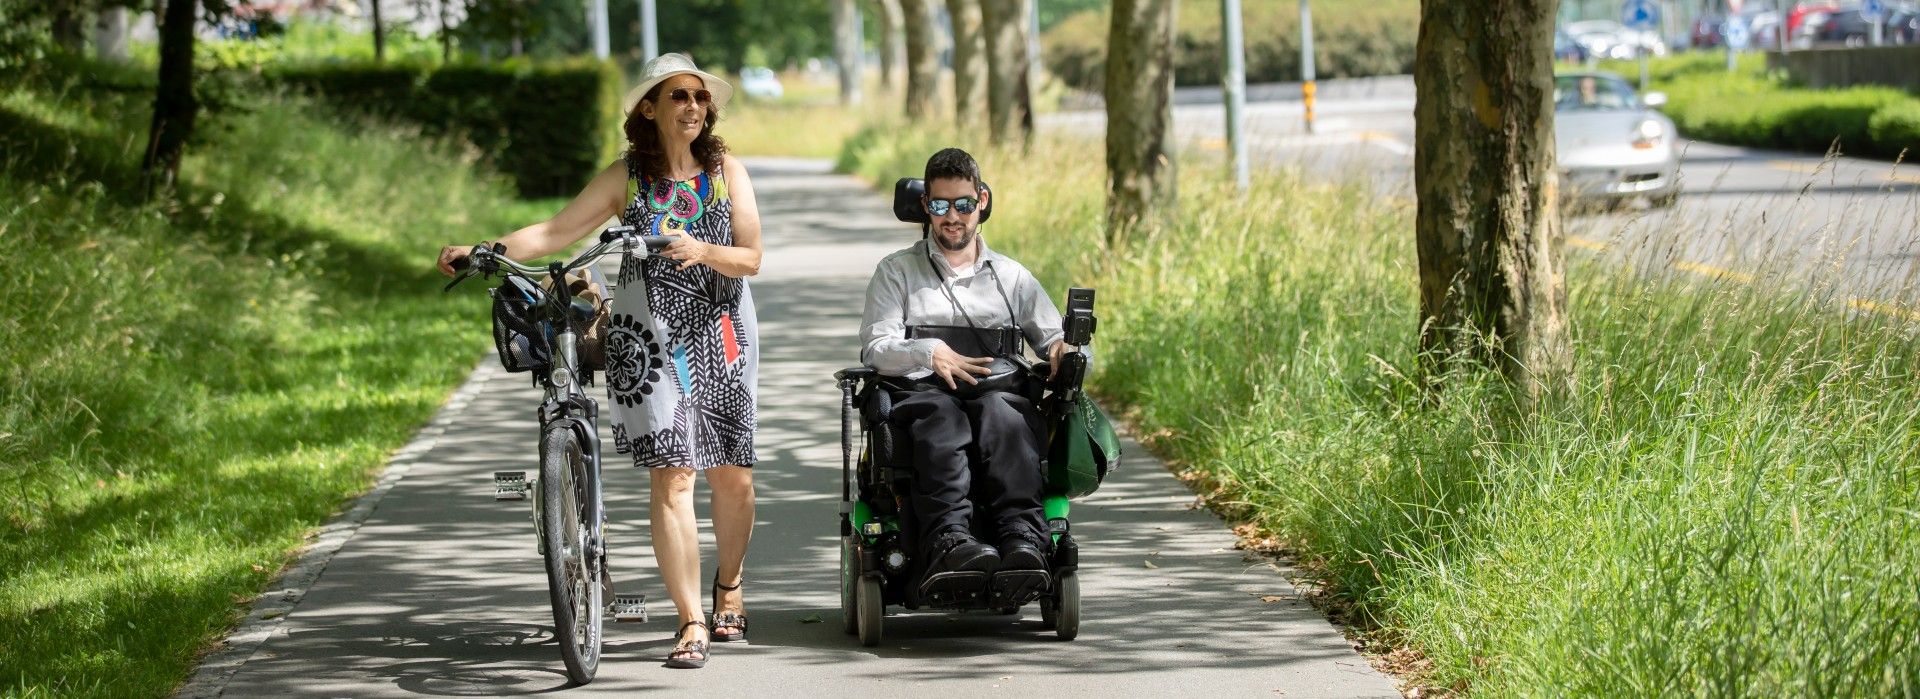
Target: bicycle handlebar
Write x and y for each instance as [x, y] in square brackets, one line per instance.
[614, 238]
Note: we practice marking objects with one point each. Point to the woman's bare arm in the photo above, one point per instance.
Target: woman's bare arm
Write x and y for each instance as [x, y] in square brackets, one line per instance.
[599, 201]
[742, 259]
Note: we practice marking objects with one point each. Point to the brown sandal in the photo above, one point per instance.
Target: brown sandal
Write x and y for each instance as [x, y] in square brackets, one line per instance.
[693, 655]
[729, 619]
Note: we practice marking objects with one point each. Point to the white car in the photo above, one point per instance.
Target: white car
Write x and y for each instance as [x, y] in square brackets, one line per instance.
[759, 82]
[1611, 143]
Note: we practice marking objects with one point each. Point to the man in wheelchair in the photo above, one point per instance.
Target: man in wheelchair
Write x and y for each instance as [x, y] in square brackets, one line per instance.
[947, 323]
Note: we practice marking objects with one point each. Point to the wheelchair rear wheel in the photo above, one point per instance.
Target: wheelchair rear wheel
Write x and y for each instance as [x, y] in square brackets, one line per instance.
[849, 582]
[872, 609]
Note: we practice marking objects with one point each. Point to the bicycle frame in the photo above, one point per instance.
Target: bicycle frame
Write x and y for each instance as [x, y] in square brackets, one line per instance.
[564, 402]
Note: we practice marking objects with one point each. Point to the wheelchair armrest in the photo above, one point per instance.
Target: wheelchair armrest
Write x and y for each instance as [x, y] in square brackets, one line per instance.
[858, 373]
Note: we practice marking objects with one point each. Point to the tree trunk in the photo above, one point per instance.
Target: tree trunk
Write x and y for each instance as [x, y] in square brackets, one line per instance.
[446, 35]
[1488, 221]
[174, 107]
[69, 21]
[1139, 93]
[110, 35]
[893, 44]
[923, 58]
[846, 49]
[969, 63]
[1007, 101]
[379, 34]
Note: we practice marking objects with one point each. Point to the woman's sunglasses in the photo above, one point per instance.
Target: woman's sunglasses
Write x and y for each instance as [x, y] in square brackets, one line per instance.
[939, 207]
[681, 95]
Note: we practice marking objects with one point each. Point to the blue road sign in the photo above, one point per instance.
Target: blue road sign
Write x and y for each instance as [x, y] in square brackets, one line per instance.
[1873, 11]
[1641, 15]
[1737, 34]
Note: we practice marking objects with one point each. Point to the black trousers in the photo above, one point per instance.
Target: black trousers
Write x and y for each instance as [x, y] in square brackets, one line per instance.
[966, 452]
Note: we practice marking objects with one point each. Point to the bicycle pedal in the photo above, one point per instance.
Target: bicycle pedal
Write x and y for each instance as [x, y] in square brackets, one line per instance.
[629, 608]
[510, 485]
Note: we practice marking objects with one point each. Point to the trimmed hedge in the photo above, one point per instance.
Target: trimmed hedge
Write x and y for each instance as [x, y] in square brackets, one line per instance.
[1376, 38]
[1752, 108]
[549, 126]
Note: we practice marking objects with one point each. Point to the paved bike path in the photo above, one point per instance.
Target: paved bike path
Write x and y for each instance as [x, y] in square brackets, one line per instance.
[440, 592]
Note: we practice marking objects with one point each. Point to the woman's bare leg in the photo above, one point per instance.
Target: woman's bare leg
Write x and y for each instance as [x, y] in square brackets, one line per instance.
[676, 543]
[732, 499]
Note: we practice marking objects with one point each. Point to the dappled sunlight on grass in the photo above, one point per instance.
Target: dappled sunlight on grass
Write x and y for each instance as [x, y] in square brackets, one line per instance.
[191, 386]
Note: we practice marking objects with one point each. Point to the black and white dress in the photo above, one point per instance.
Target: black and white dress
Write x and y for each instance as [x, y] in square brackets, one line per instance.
[683, 347]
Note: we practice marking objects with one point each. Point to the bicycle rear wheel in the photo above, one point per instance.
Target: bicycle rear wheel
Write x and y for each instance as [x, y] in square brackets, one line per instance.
[573, 576]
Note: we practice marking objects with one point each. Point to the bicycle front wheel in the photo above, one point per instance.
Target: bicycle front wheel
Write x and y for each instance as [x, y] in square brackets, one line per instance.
[573, 574]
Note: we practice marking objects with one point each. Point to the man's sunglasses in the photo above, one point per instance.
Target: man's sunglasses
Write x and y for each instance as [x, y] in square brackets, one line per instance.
[965, 205]
[681, 95]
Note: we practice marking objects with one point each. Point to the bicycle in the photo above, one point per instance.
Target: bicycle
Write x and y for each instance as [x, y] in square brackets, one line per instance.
[537, 330]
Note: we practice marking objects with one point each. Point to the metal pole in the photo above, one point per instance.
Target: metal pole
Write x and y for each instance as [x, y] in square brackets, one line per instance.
[597, 17]
[1307, 87]
[1643, 67]
[1033, 45]
[1236, 91]
[649, 31]
[1879, 30]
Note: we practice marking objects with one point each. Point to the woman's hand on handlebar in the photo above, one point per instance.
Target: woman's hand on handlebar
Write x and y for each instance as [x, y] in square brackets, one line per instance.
[686, 250]
[453, 258]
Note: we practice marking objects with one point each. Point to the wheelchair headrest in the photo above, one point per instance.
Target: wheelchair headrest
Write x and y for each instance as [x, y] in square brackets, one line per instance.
[906, 201]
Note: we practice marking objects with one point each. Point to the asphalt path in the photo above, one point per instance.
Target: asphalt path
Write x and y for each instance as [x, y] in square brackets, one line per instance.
[429, 587]
[1847, 226]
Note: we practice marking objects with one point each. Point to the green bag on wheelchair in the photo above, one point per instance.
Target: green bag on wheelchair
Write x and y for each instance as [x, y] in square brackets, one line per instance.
[1083, 449]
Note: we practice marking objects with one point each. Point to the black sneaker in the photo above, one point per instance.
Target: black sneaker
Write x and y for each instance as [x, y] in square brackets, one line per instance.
[1021, 549]
[1023, 575]
[955, 550]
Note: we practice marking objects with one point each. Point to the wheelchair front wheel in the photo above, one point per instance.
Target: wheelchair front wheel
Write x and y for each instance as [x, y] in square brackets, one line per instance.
[1065, 606]
[872, 609]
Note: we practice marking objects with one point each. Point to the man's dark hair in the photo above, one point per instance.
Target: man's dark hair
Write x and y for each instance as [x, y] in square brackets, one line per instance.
[953, 163]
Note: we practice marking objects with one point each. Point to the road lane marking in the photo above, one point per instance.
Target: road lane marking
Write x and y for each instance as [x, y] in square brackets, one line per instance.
[1387, 141]
[1883, 309]
[1811, 169]
[1583, 243]
[1712, 271]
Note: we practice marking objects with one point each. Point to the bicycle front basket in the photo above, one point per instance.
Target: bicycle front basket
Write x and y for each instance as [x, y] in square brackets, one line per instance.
[517, 333]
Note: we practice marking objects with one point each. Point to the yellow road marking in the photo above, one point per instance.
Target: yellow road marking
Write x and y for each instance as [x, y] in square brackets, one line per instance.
[1711, 271]
[1580, 242]
[1811, 168]
[1883, 309]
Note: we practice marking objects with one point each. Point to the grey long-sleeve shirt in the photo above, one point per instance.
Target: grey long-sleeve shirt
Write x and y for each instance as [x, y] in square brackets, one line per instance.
[906, 290]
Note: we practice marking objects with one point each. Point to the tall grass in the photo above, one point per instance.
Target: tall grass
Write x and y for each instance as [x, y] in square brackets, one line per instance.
[1726, 505]
[186, 388]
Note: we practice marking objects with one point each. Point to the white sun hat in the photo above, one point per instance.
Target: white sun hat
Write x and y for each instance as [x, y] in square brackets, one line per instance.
[665, 66]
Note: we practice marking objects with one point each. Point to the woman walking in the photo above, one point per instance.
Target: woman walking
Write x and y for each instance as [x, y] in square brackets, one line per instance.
[682, 347]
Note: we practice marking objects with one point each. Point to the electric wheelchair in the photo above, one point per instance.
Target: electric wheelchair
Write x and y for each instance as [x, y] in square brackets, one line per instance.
[878, 542]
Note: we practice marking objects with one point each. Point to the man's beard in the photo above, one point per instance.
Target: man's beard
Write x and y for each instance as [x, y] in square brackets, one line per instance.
[966, 240]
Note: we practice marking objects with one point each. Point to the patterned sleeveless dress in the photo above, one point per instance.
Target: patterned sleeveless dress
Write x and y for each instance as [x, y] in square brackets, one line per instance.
[683, 347]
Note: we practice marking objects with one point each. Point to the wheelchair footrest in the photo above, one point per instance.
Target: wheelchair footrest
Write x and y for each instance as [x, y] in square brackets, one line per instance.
[629, 608]
[960, 587]
[1015, 588]
[510, 485]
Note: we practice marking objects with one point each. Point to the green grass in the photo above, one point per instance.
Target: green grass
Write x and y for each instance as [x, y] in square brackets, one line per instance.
[1724, 507]
[1750, 107]
[188, 388]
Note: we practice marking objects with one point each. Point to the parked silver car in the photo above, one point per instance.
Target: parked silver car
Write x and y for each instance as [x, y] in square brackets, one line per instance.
[1611, 143]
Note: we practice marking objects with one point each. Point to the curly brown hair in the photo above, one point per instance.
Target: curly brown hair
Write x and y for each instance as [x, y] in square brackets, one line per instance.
[643, 141]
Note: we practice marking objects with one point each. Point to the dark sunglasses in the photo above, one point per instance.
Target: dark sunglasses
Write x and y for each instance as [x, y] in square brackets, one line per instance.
[965, 205]
[681, 94]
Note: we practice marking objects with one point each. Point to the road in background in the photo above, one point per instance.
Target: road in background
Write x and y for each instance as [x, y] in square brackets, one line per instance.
[1848, 225]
